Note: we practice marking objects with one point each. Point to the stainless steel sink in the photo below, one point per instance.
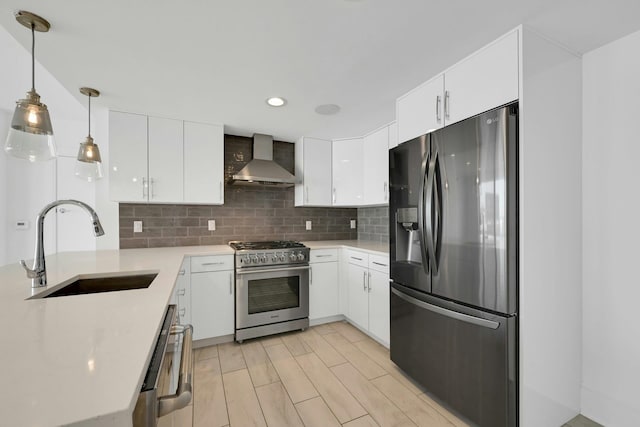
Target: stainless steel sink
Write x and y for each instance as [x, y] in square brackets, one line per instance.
[91, 284]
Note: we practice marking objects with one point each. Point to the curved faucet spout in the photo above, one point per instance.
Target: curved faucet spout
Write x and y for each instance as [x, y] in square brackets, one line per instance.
[38, 273]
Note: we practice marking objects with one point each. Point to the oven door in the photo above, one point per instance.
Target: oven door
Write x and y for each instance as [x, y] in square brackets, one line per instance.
[271, 295]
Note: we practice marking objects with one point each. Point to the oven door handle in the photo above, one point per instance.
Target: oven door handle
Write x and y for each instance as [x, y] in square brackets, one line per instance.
[171, 403]
[272, 270]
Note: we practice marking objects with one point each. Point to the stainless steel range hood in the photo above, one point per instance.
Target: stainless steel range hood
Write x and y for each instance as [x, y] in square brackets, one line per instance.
[262, 170]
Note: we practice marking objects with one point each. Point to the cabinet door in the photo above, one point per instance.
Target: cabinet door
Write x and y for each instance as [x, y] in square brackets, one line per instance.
[183, 294]
[358, 295]
[421, 110]
[376, 167]
[393, 135]
[313, 156]
[485, 80]
[212, 302]
[379, 304]
[203, 163]
[347, 172]
[127, 157]
[323, 290]
[165, 160]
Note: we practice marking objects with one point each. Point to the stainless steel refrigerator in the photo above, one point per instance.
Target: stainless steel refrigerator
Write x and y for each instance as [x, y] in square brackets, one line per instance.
[453, 216]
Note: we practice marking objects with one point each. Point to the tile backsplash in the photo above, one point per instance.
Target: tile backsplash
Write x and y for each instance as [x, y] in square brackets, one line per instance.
[373, 224]
[248, 213]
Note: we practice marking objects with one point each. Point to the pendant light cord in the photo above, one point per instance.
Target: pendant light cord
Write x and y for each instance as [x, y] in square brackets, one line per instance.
[89, 115]
[33, 58]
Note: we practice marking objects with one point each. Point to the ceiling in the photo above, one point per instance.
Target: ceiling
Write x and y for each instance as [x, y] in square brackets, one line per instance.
[217, 61]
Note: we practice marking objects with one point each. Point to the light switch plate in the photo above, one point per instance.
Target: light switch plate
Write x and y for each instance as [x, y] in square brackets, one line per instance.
[308, 225]
[353, 223]
[212, 225]
[137, 226]
[22, 224]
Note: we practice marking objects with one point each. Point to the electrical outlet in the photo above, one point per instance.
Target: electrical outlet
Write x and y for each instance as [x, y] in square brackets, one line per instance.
[212, 225]
[137, 226]
[353, 223]
[308, 225]
[22, 224]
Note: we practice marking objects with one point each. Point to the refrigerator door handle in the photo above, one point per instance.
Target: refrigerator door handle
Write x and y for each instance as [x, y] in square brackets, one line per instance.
[478, 321]
[421, 219]
[429, 208]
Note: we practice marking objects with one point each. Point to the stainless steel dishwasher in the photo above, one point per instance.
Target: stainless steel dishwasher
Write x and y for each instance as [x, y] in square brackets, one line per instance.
[168, 383]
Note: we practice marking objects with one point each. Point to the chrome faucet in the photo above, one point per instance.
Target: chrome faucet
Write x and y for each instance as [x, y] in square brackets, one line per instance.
[38, 273]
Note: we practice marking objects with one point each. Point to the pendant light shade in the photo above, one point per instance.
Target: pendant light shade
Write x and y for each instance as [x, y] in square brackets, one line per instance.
[89, 164]
[31, 133]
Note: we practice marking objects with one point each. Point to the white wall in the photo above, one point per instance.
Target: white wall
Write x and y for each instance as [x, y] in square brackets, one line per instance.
[550, 233]
[611, 229]
[24, 187]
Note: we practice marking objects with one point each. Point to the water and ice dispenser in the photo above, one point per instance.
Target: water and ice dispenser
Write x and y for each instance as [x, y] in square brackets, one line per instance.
[408, 236]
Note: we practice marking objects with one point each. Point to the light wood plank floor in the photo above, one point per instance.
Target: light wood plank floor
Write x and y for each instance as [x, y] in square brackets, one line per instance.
[328, 375]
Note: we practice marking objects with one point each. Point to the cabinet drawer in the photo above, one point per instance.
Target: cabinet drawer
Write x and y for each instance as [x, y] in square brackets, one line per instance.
[358, 258]
[323, 255]
[379, 263]
[200, 264]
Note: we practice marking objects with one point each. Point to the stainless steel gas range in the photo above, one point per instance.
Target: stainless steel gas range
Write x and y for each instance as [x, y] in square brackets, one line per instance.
[272, 288]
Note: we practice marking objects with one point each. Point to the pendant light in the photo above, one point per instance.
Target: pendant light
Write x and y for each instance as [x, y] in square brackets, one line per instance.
[89, 164]
[31, 133]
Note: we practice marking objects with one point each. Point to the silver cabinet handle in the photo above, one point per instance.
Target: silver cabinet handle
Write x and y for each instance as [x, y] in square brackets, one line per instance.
[144, 188]
[446, 104]
[168, 404]
[230, 283]
[380, 264]
[355, 257]
[334, 195]
[151, 192]
[182, 292]
[445, 312]
[369, 283]
[310, 275]
[181, 272]
[364, 280]
[221, 198]
[438, 118]
[322, 256]
[306, 193]
[212, 263]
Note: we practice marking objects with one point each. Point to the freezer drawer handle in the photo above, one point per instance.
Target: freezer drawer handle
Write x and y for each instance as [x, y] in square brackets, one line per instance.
[449, 313]
[168, 404]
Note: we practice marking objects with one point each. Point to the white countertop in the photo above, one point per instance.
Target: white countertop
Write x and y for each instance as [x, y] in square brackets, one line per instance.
[81, 359]
[375, 248]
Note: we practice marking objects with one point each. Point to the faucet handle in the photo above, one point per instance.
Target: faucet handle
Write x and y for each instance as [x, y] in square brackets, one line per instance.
[31, 274]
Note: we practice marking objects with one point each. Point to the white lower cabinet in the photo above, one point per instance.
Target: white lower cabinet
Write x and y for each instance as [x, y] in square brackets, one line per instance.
[182, 294]
[323, 283]
[368, 285]
[212, 296]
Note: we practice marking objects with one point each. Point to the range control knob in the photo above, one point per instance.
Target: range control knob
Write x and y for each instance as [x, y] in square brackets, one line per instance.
[300, 256]
[254, 259]
[263, 258]
[282, 258]
[292, 257]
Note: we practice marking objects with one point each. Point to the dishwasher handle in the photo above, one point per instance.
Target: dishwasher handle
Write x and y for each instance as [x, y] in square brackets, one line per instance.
[184, 392]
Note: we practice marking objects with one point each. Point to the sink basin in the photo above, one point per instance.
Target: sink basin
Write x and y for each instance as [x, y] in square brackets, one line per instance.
[91, 284]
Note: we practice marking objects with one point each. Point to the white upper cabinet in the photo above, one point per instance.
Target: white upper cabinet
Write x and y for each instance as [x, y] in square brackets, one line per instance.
[485, 80]
[203, 163]
[347, 172]
[421, 110]
[165, 160]
[393, 135]
[161, 160]
[127, 157]
[376, 166]
[313, 172]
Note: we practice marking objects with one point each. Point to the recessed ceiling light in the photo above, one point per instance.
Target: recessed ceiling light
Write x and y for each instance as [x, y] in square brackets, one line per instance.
[276, 101]
[327, 109]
